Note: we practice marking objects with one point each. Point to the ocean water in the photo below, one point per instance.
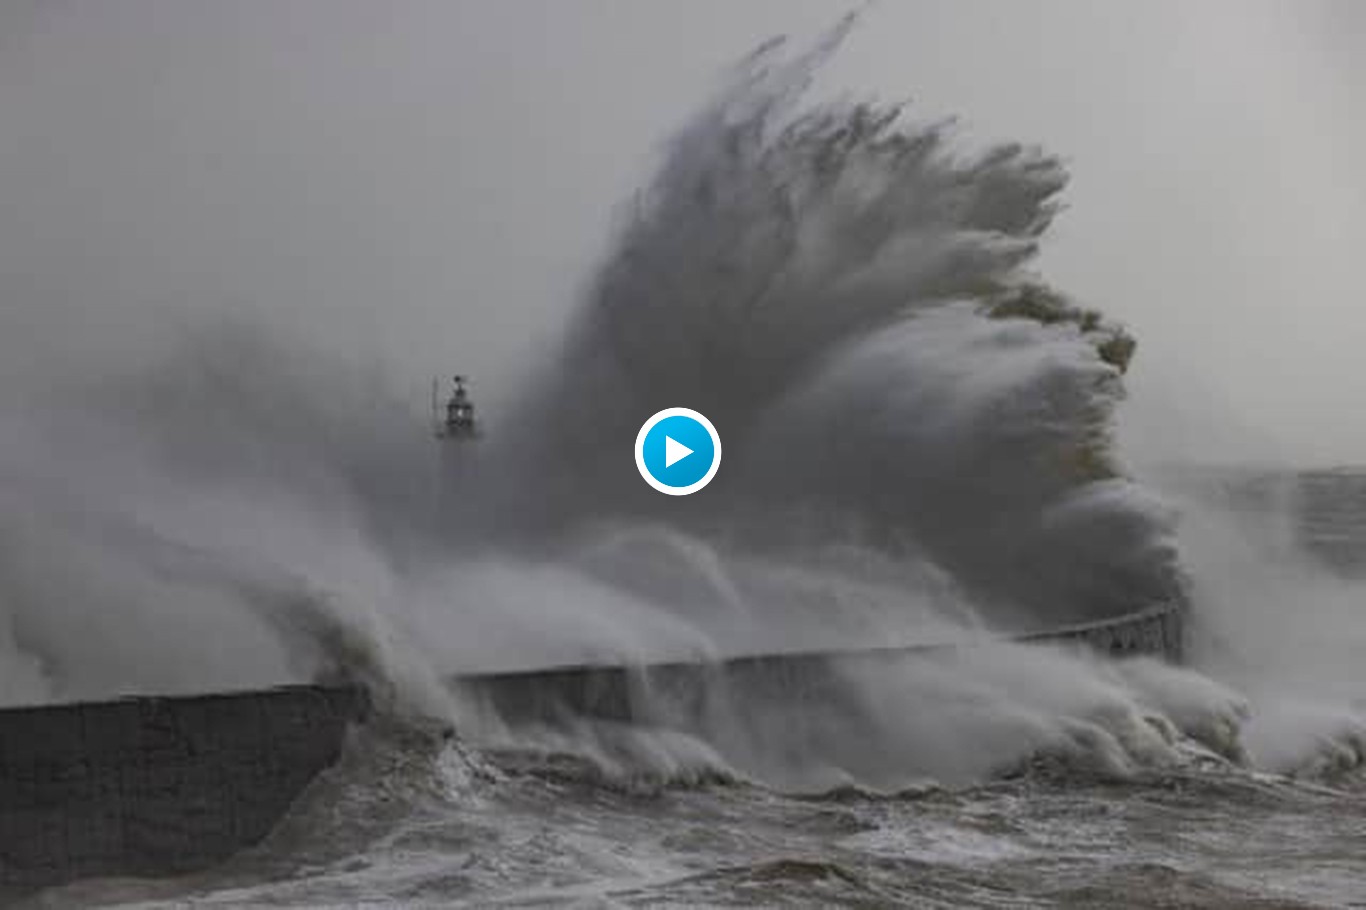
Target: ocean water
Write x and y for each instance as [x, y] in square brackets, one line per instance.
[539, 832]
[919, 448]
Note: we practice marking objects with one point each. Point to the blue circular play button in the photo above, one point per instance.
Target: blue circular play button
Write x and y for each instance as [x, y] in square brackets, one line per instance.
[678, 451]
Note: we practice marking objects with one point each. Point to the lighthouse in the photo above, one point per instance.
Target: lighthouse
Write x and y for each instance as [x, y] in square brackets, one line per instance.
[458, 422]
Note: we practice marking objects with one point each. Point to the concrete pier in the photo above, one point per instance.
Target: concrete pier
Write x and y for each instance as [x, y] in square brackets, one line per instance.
[161, 786]
[677, 693]
[156, 786]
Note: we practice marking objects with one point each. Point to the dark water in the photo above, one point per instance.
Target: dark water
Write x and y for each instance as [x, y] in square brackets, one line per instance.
[545, 832]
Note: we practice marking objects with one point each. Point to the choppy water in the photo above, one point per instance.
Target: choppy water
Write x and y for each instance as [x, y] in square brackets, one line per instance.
[535, 830]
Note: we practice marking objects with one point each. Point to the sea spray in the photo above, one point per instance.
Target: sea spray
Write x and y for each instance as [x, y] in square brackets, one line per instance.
[846, 294]
[1270, 619]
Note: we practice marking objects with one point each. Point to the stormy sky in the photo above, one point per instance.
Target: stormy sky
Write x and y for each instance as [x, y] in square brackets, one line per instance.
[430, 183]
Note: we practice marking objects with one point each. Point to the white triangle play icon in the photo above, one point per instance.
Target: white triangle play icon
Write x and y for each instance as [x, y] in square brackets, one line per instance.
[674, 451]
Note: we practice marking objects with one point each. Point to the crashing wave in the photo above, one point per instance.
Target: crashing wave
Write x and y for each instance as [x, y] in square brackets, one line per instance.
[847, 296]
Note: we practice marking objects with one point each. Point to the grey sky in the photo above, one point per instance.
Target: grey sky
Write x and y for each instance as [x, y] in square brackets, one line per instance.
[431, 182]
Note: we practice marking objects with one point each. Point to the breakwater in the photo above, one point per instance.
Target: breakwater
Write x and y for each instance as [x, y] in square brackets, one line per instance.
[677, 694]
[161, 786]
[156, 786]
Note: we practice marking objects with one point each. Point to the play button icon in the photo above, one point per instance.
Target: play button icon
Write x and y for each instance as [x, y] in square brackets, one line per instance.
[674, 451]
[678, 451]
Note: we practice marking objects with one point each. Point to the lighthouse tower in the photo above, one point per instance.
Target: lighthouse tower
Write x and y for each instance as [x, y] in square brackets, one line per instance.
[458, 421]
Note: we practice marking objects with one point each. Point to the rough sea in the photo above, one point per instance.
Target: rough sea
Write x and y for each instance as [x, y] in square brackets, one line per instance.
[920, 447]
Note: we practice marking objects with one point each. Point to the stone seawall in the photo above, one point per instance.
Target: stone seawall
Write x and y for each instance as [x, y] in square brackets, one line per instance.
[684, 695]
[1158, 631]
[156, 786]
[159, 786]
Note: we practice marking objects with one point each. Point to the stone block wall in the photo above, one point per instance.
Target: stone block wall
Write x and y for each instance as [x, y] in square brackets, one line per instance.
[147, 786]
